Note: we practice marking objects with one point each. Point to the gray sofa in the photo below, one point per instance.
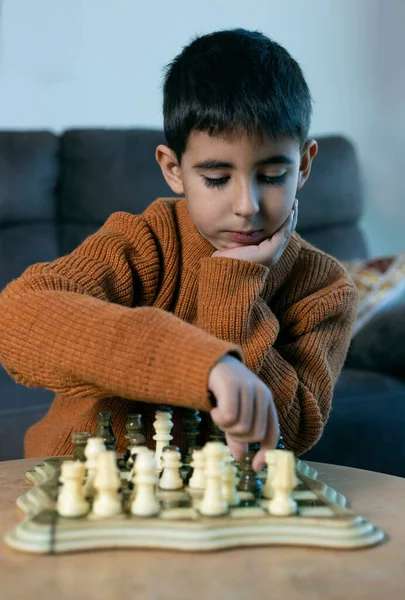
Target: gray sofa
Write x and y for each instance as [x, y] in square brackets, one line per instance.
[56, 190]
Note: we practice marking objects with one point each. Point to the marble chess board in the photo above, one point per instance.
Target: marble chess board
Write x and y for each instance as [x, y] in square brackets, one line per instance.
[322, 519]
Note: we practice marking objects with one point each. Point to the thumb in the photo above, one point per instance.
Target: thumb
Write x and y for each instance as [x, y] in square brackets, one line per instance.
[238, 449]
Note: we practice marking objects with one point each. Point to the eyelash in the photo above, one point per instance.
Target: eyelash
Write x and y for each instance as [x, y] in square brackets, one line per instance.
[221, 181]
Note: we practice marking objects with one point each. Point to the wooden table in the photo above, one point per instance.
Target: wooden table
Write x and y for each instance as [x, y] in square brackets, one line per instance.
[279, 572]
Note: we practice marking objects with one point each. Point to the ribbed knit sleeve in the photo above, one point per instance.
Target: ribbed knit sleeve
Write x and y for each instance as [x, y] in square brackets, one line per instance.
[299, 353]
[82, 325]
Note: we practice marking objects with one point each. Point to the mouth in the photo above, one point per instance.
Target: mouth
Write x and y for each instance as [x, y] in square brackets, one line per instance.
[245, 236]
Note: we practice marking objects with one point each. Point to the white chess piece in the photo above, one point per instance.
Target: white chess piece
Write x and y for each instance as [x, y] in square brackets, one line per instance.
[107, 483]
[163, 425]
[271, 459]
[230, 480]
[94, 447]
[213, 502]
[145, 502]
[197, 480]
[135, 451]
[284, 481]
[171, 462]
[71, 501]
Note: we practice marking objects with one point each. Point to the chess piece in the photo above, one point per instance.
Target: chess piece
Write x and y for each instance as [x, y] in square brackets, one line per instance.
[271, 459]
[71, 501]
[171, 462]
[104, 430]
[145, 502]
[284, 481]
[197, 480]
[191, 420]
[230, 480]
[213, 503]
[134, 435]
[249, 481]
[79, 441]
[216, 434]
[163, 425]
[94, 447]
[280, 443]
[107, 483]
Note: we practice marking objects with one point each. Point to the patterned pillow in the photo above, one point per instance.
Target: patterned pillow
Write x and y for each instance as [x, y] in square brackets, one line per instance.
[381, 286]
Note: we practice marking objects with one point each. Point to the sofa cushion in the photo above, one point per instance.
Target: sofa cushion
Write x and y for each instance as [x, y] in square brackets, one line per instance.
[20, 407]
[366, 425]
[29, 172]
[21, 245]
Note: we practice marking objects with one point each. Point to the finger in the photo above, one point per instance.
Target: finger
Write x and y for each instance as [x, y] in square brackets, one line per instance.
[259, 425]
[238, 449]
[242, 428]
[295, 220]
[270, 439]
[226, 413]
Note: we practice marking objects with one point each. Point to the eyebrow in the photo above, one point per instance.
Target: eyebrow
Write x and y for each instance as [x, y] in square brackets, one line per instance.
[279, 159]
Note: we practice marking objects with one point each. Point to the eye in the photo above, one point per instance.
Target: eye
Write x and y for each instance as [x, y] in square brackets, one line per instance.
[277, 180]
[219, 182]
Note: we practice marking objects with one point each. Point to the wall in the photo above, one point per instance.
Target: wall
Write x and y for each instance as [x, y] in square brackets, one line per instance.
[84, 63]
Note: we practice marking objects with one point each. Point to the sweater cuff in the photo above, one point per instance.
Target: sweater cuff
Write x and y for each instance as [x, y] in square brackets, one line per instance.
[228, 288]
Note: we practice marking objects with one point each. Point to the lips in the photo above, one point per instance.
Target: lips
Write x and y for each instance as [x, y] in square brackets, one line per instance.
[246, 236]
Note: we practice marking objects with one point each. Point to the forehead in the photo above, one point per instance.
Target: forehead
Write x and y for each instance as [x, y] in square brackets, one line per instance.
[238, 145]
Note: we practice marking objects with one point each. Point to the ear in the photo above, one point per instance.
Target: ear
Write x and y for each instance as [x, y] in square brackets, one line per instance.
[169, 164]
[308, 154]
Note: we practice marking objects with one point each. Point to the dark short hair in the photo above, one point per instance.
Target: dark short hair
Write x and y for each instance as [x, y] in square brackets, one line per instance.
[230, 79]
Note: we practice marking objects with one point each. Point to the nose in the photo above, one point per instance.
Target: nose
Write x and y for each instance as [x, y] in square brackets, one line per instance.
[246, 201]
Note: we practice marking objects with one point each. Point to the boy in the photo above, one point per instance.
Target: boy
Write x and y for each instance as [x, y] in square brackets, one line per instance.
[212, 301]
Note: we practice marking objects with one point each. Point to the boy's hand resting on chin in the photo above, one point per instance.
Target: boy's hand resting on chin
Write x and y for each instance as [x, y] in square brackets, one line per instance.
[245, 409]
[269, 251]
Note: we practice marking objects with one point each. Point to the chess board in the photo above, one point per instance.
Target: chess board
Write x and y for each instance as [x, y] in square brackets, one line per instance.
[322, 520]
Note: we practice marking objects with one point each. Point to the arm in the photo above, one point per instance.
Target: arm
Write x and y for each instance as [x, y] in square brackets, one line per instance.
[69, 326]
[299, 354]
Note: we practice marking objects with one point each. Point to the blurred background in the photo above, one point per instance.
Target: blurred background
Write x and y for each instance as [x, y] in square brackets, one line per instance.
[98, 63]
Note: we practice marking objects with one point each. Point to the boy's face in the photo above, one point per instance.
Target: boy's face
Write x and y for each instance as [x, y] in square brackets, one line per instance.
[239, 189]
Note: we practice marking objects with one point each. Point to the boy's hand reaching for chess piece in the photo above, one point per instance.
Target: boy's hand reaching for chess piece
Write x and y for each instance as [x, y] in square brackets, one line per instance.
[269, 251]
[244, 410]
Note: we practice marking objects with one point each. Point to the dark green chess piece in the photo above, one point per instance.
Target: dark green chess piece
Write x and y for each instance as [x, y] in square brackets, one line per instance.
[249, 481]
[79, 441]
[134, 434]
[104, 430]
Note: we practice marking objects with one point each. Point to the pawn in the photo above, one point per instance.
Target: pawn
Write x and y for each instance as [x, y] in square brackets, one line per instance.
[134, 435]
[104, 430]
[135, 451]
[284, 481]
[94, 447]
[271, 459]
[230, 480]
[197, 480]
[136, 441]
[71, 501]
[213, 503]
[107, 483]
[171, 463]
[249, 481]
[145, 502]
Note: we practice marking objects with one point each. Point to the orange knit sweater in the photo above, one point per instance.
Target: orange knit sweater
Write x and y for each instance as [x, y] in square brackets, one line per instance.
[140, 312]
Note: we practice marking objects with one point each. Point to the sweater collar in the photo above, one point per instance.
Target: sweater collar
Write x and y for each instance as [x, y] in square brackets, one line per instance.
[195, 247]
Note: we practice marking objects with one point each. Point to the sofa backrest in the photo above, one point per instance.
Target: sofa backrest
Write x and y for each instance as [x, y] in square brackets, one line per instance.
[107, 170]
[55, 191]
